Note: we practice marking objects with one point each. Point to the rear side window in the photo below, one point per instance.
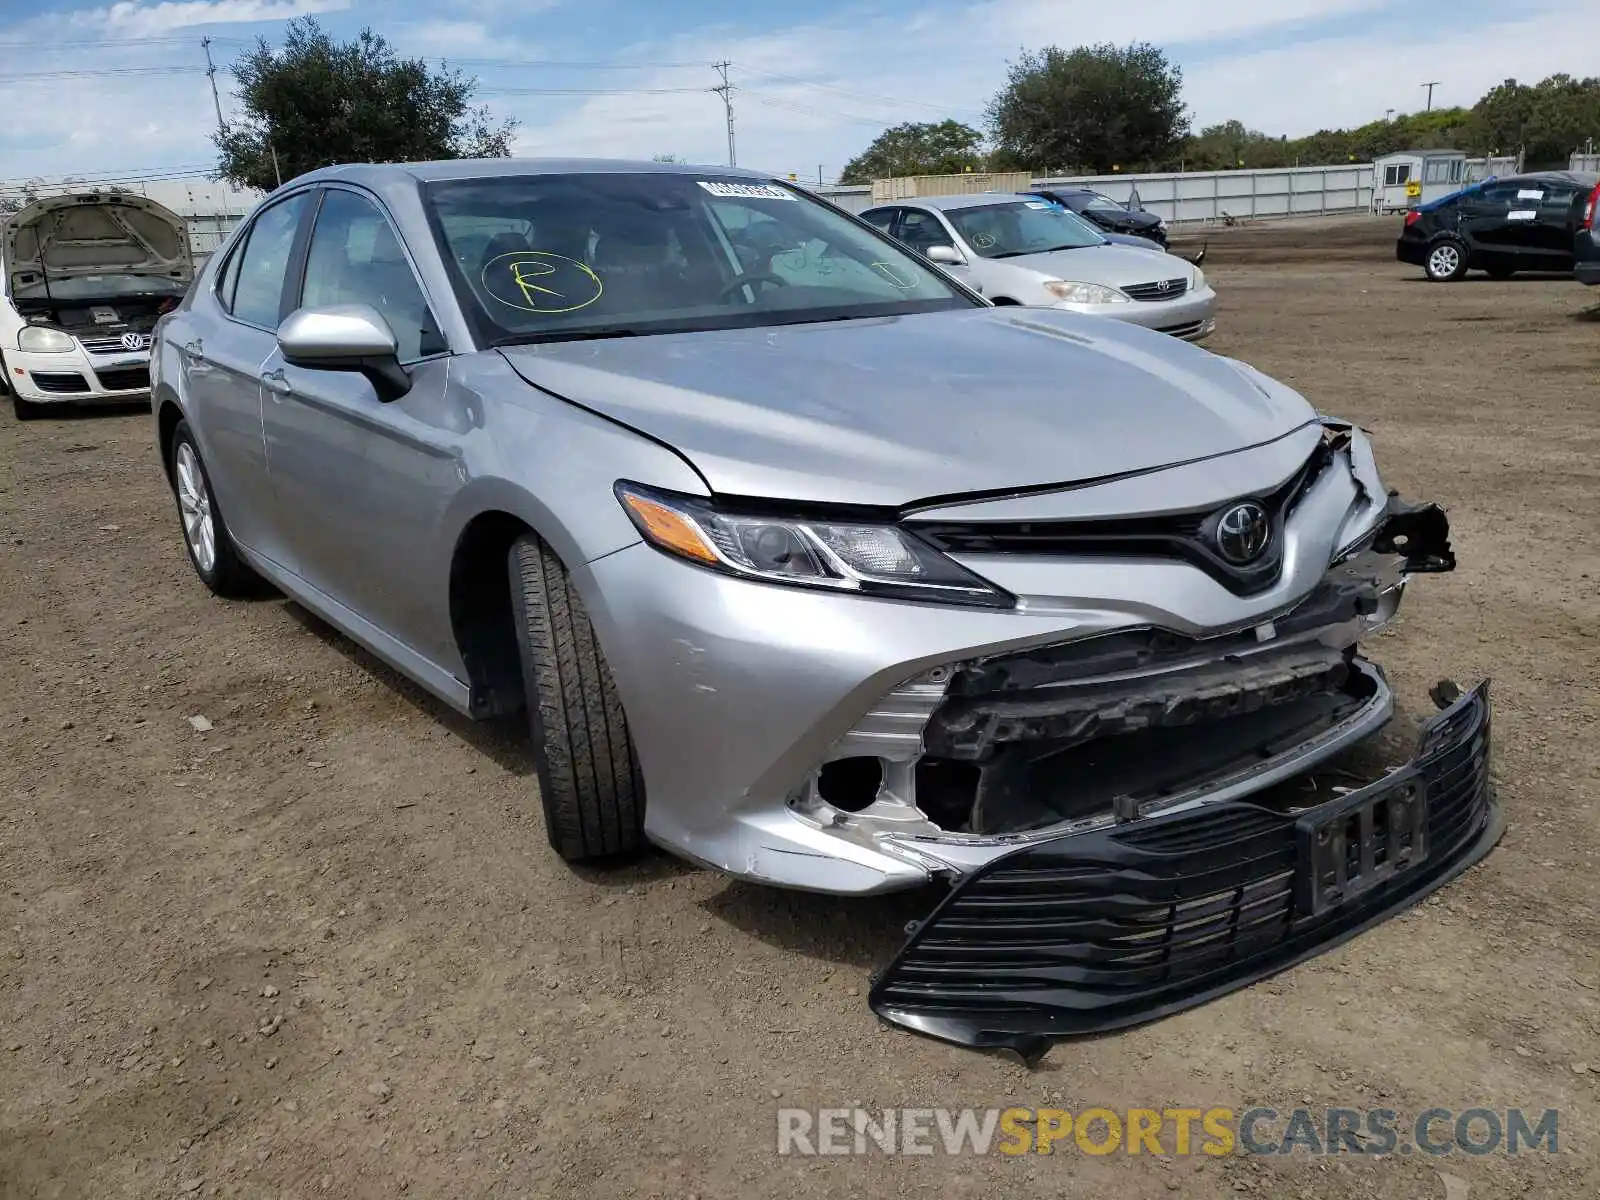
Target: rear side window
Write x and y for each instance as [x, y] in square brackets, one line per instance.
[879, 218]
[264, 264]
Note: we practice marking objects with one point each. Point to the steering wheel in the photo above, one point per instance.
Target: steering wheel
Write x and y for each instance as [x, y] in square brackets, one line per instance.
[749, 277]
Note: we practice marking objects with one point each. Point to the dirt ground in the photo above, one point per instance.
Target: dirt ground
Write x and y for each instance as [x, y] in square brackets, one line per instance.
[450, 1012]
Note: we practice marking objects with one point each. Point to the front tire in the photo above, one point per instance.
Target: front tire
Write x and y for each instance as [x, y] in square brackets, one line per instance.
[205, 534]
[590, 785]
[1447, 260]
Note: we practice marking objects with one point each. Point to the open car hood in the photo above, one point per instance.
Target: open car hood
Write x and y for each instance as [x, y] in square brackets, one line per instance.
[99, 233]
[895, 410]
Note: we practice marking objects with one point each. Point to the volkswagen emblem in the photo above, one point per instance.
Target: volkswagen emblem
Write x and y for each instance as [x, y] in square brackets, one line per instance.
[1243, 532]
[135, 341]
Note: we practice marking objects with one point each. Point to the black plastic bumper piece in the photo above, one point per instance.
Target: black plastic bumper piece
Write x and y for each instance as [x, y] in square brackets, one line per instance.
[1098, 931]
[1418, 532]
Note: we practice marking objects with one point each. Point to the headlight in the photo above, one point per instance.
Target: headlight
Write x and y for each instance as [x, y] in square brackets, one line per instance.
[41, 339]
[1199, 280]
[873, 560]
[1084, 293]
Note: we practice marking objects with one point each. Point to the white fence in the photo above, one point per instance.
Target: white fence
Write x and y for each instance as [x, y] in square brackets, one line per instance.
[1213, 195]
[1588, 164]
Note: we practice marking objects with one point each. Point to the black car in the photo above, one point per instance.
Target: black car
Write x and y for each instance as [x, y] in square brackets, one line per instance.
[1518, 223]
[1106, 212]
[1586, 245]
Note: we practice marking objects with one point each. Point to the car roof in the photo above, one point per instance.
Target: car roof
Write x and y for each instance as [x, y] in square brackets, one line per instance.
[1577, 177]
[379, 174]
[946, 203]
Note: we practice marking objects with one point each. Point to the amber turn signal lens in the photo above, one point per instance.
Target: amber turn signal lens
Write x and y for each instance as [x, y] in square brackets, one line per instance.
[670, 530]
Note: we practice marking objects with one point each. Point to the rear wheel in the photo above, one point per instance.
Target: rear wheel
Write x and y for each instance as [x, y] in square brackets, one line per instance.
[590, 785]
[1447, 261]
[205, 534]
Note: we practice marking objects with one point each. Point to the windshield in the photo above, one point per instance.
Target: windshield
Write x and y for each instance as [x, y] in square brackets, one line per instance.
[548, 257]
[100, 287]
[1018, 227]
[1100, 203]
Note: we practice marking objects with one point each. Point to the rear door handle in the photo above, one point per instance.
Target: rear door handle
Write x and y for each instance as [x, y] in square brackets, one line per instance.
[276, 381]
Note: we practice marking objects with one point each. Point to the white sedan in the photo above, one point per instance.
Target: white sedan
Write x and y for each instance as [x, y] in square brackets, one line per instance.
[85, 279]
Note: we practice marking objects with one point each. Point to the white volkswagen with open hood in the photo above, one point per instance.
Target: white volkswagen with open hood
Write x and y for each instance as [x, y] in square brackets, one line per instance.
[86, 278]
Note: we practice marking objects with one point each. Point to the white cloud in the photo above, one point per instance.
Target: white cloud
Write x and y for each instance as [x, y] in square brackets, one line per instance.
[131, 18]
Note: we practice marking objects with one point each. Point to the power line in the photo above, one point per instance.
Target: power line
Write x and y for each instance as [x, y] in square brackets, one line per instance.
[520, 91]
[36, 76]
[871, 97]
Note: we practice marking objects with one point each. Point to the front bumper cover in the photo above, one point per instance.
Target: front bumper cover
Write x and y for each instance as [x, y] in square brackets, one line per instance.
[1098, 931]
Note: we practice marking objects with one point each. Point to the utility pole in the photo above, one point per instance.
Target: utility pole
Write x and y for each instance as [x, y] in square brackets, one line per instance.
[211, 74]
[1388, 115]
[819, 167]
[1430, 85]
[725, 90]
[276, 174]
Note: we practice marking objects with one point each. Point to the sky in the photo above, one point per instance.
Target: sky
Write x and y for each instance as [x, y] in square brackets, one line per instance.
[119, 90]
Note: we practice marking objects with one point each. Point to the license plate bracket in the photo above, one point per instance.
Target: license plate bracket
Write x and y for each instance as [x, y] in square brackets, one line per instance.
[1361, 842]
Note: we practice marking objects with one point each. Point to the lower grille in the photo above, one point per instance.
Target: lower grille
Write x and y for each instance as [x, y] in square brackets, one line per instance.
[1098, 931]
[1161, 289]
[124, 379]
[61, 383]
[1187, 330]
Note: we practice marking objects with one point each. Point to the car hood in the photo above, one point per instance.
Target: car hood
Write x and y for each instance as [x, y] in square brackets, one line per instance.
[896, 410]
[1115, 265]
[79, 236]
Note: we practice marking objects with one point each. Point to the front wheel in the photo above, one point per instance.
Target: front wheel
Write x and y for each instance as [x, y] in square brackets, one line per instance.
[1447, 261]
[205, 534]
[590, 785]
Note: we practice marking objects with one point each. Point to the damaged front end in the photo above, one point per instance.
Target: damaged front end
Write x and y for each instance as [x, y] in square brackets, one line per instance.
[1140, 820]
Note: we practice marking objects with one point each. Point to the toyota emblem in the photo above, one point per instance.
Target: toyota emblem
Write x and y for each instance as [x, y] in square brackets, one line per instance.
[135, 341]
[1164, 286]
[1243, 532]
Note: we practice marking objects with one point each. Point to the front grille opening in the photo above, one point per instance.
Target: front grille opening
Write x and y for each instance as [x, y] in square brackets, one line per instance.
[946, 791]
[850, 784]
[1028, 786]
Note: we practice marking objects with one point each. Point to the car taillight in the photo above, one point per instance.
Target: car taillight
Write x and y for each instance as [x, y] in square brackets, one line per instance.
[1412, 218]
[1590, 208]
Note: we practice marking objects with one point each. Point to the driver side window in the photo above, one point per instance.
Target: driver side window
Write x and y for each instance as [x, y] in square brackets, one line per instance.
[922, 230]
[355, 258]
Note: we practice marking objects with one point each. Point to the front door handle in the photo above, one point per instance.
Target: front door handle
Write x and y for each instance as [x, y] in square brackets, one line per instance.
[192, 349]
[276, 381]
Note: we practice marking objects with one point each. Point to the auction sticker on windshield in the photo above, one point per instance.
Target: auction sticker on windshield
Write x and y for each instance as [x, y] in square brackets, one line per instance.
[746, 191]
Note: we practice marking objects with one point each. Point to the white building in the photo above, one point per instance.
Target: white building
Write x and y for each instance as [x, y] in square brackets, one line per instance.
[1408, 178]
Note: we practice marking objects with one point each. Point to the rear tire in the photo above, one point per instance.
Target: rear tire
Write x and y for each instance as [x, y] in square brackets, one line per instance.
[590, 785]
[211, 550]
[1446, 261]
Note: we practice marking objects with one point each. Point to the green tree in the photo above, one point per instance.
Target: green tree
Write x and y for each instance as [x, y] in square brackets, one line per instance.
[1092, 109]
[314, 101]
[917, 148]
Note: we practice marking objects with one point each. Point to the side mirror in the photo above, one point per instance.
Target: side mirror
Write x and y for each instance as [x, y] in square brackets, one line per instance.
[947, 256]
[345, 337]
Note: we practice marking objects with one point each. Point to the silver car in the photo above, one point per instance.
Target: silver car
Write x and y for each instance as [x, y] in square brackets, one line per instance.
[1019, 249]
[809, 564]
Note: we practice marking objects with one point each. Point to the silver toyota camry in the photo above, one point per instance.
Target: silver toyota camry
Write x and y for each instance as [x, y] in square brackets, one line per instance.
[810, 564]
[1023, 249]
